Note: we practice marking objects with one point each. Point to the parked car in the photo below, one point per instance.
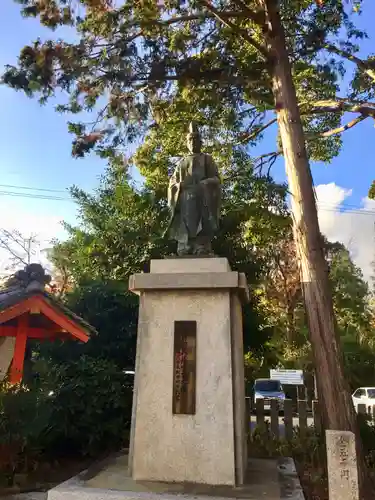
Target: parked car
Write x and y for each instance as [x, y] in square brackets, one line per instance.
[364, 396]
[268, 389]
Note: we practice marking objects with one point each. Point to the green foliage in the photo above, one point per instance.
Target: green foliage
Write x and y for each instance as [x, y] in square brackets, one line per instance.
[309, 452]
[359, 360]
[121, 228]
[23, 419]
[254, 238]
[367, 433]
[147, 70]
[113, 311]
[90, 407]
[77, 408]
[371, 193]
[352, 304]
[354, 316]
[351, 295]
[90, 397]
[307, 447]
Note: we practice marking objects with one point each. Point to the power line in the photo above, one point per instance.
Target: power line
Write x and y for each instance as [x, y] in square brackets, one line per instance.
[34, 196]
[50, 190]
[341, 204]
[322, 206]
[361, 211]
[29, 188]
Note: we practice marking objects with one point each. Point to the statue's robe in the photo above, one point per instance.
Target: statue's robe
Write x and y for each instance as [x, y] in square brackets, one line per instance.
[195, 206]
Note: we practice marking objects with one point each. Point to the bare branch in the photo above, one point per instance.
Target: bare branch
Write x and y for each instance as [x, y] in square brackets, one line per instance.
[345, 127]
[257, 132]
[15, 257]
[5, 245]
[267, 155]
[19, 248]
[245, 35]
[267, 159]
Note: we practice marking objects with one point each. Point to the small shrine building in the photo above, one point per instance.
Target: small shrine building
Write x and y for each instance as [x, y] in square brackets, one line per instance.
[28, 311]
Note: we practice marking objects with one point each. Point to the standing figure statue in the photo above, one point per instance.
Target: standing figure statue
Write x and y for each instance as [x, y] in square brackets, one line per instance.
[194, 196]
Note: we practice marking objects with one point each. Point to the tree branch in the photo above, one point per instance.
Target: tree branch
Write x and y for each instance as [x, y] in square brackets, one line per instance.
[345, 127]
[266, 159]
[196, 17]
[255, 133]
[4, 243]
[236, 29]
[244, 112]
[258, 18]
[341, 105]
[8, 238]
[362, 65]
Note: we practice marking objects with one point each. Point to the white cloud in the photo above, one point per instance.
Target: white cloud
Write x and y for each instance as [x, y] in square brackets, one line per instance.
[352, 226]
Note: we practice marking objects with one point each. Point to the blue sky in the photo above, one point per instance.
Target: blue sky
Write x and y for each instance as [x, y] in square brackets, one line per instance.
[35, 144]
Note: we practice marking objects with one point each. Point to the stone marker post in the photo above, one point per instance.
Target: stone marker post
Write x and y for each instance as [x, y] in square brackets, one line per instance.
[342, 465]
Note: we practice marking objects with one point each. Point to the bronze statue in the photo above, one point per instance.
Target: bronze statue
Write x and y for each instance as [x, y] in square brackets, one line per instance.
[194, 195]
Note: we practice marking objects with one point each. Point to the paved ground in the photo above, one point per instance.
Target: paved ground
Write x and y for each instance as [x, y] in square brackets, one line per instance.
[33, 495]
[267, 418]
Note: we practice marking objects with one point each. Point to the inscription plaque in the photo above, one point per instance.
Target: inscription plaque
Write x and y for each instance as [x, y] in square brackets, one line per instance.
[184, 368]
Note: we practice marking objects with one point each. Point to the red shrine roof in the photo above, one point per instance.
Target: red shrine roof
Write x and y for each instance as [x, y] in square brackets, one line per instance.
[28, 311]
[46, 313]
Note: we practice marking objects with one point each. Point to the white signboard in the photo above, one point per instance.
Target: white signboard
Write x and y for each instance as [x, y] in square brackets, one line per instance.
[287, 377]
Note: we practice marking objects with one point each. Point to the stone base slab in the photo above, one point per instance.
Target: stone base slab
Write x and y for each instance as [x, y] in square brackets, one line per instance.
[266, 479]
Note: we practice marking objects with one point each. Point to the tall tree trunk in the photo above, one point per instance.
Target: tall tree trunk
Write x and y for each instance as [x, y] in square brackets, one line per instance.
[335, 401]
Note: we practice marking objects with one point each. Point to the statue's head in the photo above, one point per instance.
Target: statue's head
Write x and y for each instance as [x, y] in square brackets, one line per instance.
[194, 142]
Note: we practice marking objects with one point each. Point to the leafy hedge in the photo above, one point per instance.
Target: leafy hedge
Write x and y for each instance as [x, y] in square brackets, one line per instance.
[81, 408]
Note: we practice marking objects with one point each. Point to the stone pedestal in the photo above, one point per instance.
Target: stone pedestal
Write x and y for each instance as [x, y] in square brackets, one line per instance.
[206, 441]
